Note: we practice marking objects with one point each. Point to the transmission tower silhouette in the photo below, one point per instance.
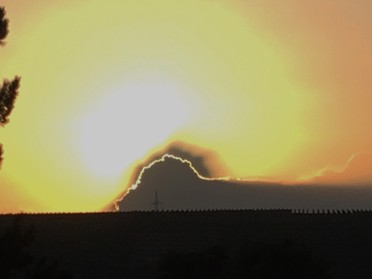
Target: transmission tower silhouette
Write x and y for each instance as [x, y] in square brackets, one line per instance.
[156, 203]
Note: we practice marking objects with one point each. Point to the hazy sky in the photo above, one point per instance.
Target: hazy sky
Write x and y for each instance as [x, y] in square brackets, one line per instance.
[278, 90]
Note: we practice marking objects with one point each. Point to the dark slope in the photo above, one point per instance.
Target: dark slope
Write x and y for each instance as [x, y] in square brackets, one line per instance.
[130, 245]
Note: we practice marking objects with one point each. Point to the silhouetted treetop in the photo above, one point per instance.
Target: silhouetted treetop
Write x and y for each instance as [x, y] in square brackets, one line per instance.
[4, 25]
[9, 88]
[8, 95]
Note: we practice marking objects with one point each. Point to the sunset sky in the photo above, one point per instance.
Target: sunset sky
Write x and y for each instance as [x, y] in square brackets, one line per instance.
[274, 90]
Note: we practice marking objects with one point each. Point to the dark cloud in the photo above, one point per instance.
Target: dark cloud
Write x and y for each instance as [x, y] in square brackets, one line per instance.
[197, 157]
[179, 187]
[206, 161]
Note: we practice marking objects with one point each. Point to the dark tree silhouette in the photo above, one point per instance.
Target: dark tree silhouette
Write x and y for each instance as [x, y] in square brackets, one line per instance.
[281, 259]
[8, 95]
[16, 259]
[256, 260]
[14, 244]
[209, 263]
[4, 26]
[9, 88]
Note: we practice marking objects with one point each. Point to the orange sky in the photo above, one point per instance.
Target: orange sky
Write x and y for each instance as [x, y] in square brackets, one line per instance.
[277, 89]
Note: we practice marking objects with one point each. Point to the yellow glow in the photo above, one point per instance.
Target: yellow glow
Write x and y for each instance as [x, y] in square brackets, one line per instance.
[104, 85]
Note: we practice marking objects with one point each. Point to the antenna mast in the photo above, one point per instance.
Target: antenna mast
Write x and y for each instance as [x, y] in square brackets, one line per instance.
[156, 202]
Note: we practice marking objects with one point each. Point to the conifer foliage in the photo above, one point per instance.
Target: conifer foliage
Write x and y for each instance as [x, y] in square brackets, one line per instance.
[9, 89]
[4, 25]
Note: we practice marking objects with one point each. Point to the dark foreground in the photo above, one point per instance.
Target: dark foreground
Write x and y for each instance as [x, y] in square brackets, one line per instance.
[204, 244]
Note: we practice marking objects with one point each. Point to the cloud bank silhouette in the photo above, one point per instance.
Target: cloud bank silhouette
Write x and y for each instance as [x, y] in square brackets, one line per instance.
[181, 187]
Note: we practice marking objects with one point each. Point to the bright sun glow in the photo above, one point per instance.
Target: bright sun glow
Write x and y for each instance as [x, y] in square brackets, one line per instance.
[105, 86]
[127, 121]
[118, 87]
